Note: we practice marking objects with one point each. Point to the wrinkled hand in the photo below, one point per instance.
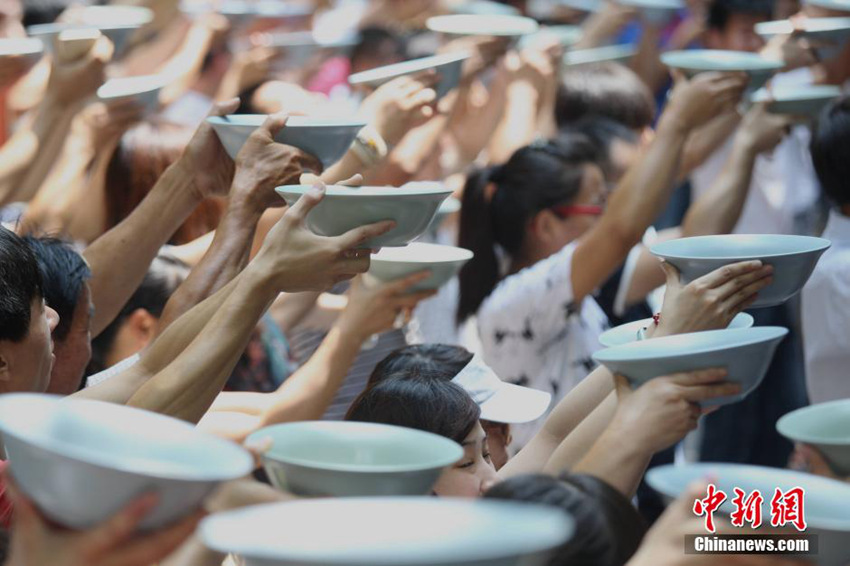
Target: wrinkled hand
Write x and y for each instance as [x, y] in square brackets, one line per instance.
[205, 160]
[713, 300]
[263, 164]
[374, 307]
[662, 545]
[74, 80]
[664, 410]
[294, 259]
[400, 105]
[810, 459]
[696, 101]
[113, 543]
[761, 131]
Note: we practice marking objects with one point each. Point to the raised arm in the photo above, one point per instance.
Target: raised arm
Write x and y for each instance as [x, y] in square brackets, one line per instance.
[644, 191]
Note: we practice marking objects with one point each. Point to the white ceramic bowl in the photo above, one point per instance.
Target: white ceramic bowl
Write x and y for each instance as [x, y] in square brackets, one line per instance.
[693, 62]
[29, 49]
[346, 208]
[839, 5]
[450, 206]
[483, 8]
[493, 25]
[745, 354]
[826, 427]
[802, 100]
[83, 461]
[327, 139]
[297, 47]
[444, 262]
[655, 11]
[242, 11]
[793, 259]
[565, 35]
[826, 35]
[144, 90]
[607, 54]
[826, 500]
[118, 23]
[449, 67]
[627, 333]
[390, 532]
[352, 459]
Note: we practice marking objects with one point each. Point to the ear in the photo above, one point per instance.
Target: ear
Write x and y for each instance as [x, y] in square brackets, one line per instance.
[142, 326]
[543, 225]
[5, 367]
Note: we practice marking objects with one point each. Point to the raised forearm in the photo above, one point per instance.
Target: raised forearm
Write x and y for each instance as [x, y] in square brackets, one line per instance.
[410, 154]
[347, 167]
[706, 140]
[120, 258]
[184, 67]
[188, 386]
[718, 210]
[519, 122]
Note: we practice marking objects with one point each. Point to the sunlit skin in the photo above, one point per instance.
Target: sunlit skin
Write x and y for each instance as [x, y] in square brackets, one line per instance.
[498, 439]
[73, 352]
[25, 366]
[474, 474]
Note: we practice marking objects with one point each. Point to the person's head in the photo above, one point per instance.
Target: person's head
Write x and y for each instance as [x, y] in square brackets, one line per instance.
[441, 362]
[609, 90]
[440, 407]
[135, 326]
[142, 156]
[377, 47]
[65, 275]
[829, 146]
[731, 24]
[608, 527]
[618, 145]
[545, 196]
[26, 347]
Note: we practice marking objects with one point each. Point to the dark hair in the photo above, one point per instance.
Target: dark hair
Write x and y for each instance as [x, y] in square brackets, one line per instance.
[721, 11]
[603, 132]
[431, 360]
[535, 178]
[829, 147]
[418, 401]
[143, 154]
[20, 285]
[371, 42]
[64, 273]
[604, 89]
[609, 529]
[45, 11]
[165, 274]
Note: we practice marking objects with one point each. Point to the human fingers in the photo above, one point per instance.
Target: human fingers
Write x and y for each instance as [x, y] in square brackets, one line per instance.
[741, 281]
[723, 274]
[700, 377]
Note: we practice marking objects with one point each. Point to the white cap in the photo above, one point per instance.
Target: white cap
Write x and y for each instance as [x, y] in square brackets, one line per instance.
[501, 402]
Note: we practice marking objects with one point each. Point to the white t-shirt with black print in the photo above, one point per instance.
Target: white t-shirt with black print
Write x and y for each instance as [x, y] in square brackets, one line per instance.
[534, 334]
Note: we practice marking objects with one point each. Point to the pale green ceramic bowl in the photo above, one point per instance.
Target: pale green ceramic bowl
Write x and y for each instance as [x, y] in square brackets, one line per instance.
[444, 262]
[351, 459]
[826, 427]
[693, 62]
[448, 66]
[491, 25]
[627, 333]
[802, 100]
[608, 54]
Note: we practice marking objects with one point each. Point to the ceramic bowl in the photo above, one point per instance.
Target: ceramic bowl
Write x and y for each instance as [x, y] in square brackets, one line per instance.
[826, 500]
[692, 62]
[656, 11]
[143, 89]
[802, 100]
[483, 8]
[565, 35]
[793, 259]
[83, 461]
[494, 25]
[346, 208]
[297, 47]
[827, 35]
[608, 54]
[423, 531]
[838, 5]
[444, 262]
[28, 49]
[449, 67]
[351, 459]
[745, 354]
[627, 333]
[117, 23]
[826, 427]
[327, 139]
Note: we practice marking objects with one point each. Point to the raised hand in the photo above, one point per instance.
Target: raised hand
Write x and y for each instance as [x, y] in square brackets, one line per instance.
[205, 160]
[74, 79]
[761, 131]
[713, 300]
[695, 101]
[400, 105]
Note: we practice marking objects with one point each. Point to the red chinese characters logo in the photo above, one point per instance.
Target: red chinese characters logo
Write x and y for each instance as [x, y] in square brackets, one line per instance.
[786, 508]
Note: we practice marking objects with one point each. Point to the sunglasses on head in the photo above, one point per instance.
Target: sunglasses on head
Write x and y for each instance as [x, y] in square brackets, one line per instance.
[564, 211]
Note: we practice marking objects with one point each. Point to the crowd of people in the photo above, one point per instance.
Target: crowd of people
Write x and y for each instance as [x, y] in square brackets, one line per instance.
[141, 265]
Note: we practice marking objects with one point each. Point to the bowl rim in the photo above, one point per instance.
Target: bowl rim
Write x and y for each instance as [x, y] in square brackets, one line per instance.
[758, 335]
[57, 28]
[786, 421]
[796, 93]
[256, 120]
[128, 465]
[359, 469]
[811, 26]
[523, 25]
[367, 191]
[463, 254]
[655, 4]
[611, 331]
[659, 248]
[700, 58]
[599, 54]
[654, 475]
[158, 82]
[30, 46]
[395, 70]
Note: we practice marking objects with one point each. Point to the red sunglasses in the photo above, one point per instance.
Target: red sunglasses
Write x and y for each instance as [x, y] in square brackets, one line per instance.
[566, 210]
